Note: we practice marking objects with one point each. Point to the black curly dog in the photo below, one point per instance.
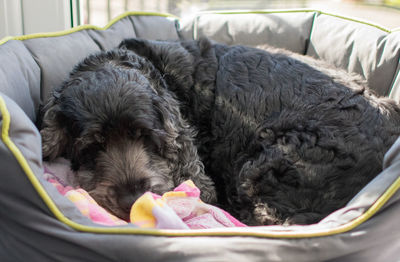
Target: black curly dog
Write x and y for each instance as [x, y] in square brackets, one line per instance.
[115, 119]
[287, 139]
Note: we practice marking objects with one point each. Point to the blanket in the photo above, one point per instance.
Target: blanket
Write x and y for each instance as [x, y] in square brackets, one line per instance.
[177, 209]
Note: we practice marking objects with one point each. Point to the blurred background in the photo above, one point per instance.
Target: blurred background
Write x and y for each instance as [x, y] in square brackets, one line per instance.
[383, 12]
[19, 17]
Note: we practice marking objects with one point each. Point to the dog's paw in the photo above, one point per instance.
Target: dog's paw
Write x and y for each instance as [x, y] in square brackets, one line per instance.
[258, 214]
[265, 215]
[271, 170]
[257, 177]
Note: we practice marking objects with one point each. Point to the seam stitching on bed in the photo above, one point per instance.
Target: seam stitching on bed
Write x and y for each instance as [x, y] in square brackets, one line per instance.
[395, 77]
[308, 42]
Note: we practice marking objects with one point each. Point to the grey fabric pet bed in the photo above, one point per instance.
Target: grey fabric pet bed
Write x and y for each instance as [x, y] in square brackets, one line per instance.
[38, 224]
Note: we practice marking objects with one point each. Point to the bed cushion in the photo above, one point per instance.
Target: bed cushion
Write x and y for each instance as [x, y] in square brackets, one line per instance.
[40, 224]
[288, 30]
[20, 76]
[367, 50]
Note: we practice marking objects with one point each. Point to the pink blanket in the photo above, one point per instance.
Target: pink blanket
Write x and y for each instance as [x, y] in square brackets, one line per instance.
[178, 209]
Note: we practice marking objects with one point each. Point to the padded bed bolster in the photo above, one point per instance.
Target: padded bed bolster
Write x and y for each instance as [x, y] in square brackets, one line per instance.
[20, 76]
[288, 30]
[149, 27]
[110, 38]
[56, 56]
[367, 50]
[155, 27]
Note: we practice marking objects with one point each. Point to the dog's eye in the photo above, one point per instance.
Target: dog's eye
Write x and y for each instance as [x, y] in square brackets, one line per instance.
[73, 127]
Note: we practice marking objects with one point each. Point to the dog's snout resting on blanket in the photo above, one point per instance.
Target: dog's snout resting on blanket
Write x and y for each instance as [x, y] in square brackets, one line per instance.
[116, 121]
[286, 138]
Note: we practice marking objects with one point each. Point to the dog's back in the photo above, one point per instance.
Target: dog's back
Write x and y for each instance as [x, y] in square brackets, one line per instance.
[286, 138]
[301, 139]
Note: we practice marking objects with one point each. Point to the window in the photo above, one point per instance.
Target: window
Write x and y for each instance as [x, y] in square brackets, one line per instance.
[19, 17]
[382, 12]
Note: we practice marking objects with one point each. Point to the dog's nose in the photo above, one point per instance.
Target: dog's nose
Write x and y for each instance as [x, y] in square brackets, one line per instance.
[125, 202]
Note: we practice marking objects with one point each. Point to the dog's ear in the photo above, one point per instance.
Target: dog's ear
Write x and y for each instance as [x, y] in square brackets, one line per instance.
[180, 150]
[53, 132]
[175, 63]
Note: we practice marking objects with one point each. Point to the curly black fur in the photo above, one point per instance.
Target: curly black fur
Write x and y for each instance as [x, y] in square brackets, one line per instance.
[286, 138]
[115, 119]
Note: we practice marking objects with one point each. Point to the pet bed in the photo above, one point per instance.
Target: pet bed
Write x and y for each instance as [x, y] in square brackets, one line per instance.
[39, 224]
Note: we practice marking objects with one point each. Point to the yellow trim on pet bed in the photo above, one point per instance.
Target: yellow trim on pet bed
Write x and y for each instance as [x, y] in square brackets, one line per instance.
[84, 27]
[249, 231]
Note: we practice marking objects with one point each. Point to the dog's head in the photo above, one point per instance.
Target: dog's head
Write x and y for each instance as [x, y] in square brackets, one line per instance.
[113, 119]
